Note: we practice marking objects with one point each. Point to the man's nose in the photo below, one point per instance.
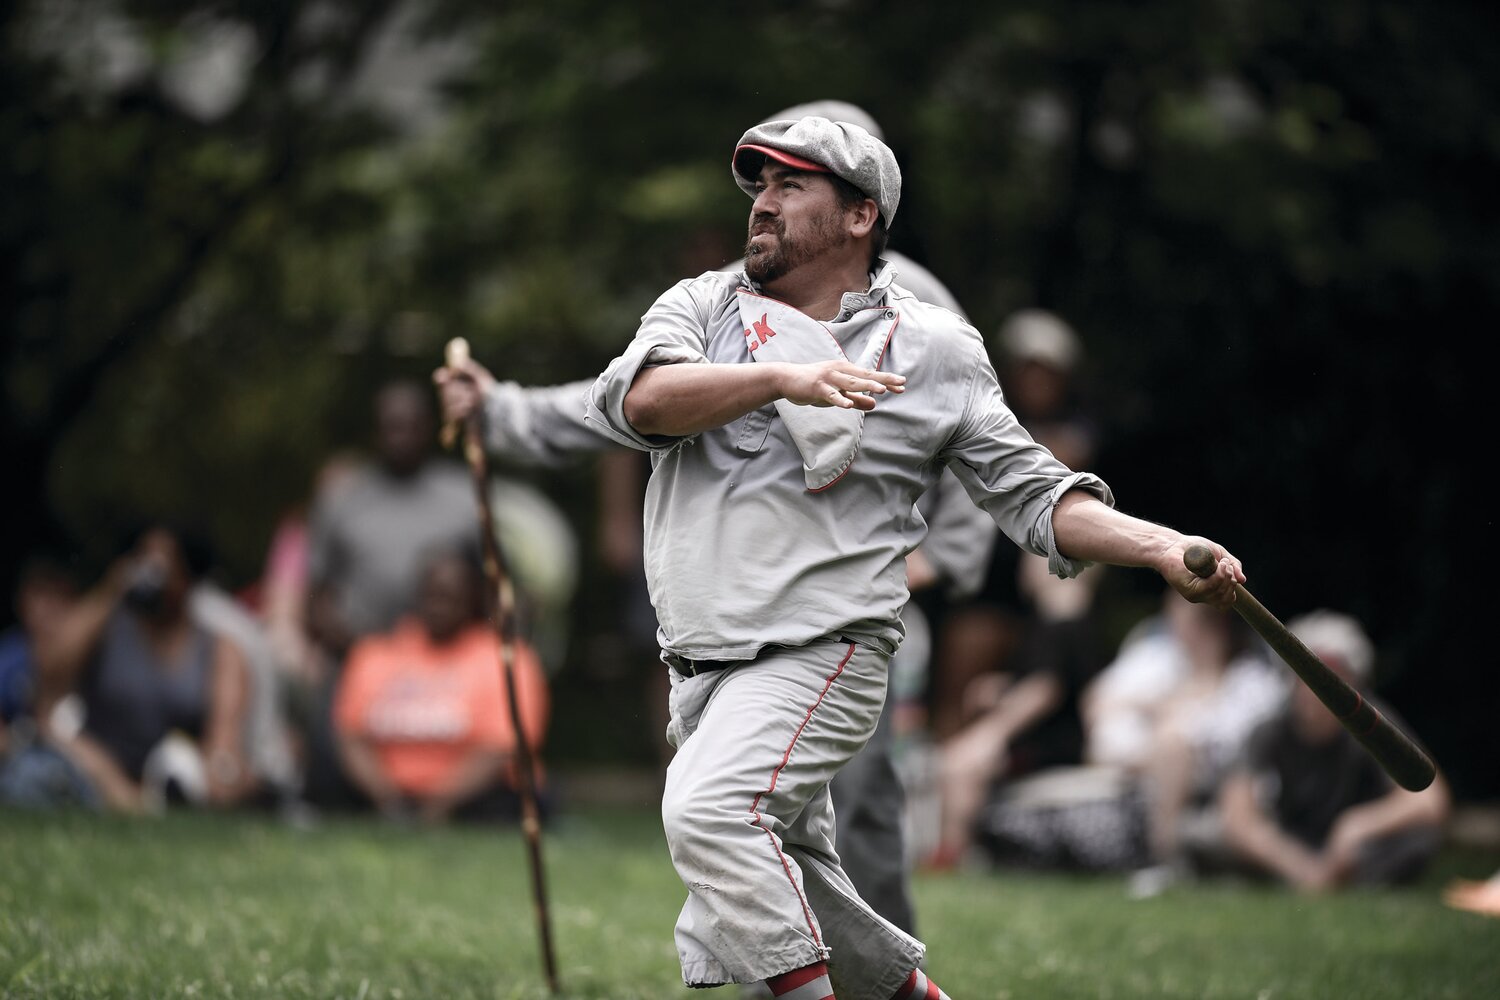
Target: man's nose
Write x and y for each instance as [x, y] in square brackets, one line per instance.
[765, 204]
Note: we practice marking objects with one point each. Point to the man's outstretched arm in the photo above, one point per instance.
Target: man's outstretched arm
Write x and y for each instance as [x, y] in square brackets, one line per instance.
[541, 425]
[1089, 530]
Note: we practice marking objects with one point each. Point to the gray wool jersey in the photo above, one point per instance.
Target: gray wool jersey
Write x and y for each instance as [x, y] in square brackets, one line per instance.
[545, 426]
[740, 555]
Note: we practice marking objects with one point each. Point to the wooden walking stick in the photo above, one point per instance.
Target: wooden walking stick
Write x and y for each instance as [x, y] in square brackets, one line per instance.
[501, 603]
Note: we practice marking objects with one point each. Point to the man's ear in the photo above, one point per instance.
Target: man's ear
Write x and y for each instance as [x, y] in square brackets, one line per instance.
[862, 217]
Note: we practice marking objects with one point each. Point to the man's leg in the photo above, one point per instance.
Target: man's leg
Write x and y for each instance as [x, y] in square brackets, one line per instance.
[870, 804]
[1398, 858]
[750, 827]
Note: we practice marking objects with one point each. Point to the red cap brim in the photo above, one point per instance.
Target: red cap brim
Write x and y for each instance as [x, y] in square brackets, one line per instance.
[780, 156]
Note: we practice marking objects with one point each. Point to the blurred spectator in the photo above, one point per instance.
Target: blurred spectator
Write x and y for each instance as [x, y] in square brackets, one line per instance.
[422, 717]
[165, 702]
[32, 773]
[1161, 724]
[268, 745]
[1037, 358]
[1175, 709]
[1308, 805]
[1014, 661]
[282, 596]
[366, 539]
[1476, 897]
[45, 591]
[1025, 720]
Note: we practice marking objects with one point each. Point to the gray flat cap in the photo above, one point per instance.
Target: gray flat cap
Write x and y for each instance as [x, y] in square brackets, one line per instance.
[822, 146]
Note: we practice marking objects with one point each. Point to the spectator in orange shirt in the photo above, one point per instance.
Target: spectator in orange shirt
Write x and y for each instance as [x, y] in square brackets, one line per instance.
[421, 716]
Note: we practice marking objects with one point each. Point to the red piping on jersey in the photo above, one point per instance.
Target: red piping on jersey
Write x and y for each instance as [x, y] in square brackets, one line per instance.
[878, 359]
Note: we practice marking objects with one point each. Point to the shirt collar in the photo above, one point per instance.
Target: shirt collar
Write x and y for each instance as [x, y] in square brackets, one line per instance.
[851, 302]
[880, 283]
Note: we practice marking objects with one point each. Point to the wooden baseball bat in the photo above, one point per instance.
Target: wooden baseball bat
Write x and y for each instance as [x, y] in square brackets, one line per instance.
[501, 601]
[1392, 749]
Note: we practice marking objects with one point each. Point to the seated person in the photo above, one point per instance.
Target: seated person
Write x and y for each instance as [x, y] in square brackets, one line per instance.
[421, 716]
[44, 593]
[1173, 711]
[1029, 721]
[1309, 806]
[163, 698]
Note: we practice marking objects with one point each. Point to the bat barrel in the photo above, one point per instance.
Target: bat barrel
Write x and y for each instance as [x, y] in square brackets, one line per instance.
[1406, 763]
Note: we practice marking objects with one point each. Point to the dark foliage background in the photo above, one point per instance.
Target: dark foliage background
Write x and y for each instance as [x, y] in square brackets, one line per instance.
[1273, 223]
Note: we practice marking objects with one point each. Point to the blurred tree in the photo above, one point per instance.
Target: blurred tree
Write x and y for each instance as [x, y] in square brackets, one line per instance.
[1272, 223]
[128, 191]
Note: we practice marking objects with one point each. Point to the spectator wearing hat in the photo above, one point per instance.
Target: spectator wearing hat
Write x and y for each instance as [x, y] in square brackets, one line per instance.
[1308, 806]
[1013, 657]
[986, 640]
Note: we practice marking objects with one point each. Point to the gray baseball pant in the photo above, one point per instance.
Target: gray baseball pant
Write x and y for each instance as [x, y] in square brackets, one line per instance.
[870, 803]
[750, 824]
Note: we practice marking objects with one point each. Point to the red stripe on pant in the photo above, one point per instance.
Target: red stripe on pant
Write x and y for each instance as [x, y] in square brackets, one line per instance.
[786, 863]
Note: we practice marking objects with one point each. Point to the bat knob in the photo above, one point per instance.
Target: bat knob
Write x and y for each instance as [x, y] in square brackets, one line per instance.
[1200, 560]
[457, 353]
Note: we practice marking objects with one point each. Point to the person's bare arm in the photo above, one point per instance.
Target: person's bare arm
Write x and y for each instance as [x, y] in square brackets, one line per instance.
[1255, 836]
[970, 760]
[229, 775]
[120, 794]
[1393, 812]
[63, 651]
[676, 400]
[1090, 530]
[1020, 706]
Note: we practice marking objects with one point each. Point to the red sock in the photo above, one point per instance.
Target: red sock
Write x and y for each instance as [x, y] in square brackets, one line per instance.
[919, 987]
[810, 982]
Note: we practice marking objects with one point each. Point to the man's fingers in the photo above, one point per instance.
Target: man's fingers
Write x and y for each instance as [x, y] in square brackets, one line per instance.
[879, 381]
[861, 380]
[843, 385]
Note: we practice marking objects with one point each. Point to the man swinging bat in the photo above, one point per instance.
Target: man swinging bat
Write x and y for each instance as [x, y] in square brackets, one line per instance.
[794, 413]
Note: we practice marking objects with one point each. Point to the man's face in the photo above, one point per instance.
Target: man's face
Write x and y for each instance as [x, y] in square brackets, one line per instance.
[796, 218]
[447, 601]
[159, 579]
[403, 428]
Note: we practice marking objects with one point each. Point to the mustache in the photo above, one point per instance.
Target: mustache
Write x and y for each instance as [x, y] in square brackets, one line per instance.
[764, 223]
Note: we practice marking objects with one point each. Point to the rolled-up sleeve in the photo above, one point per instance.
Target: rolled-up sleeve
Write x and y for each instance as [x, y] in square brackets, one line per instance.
[1017, 481]
[672, 332]
[540, 426]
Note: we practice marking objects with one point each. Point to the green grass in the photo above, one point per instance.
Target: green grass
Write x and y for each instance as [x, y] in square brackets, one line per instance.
[207, 906]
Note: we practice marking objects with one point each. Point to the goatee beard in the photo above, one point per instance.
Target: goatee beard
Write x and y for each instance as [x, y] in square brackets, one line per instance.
[767, 264]
[763, 265]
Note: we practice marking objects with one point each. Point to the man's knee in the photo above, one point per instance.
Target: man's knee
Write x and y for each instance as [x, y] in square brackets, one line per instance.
[696, 821]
